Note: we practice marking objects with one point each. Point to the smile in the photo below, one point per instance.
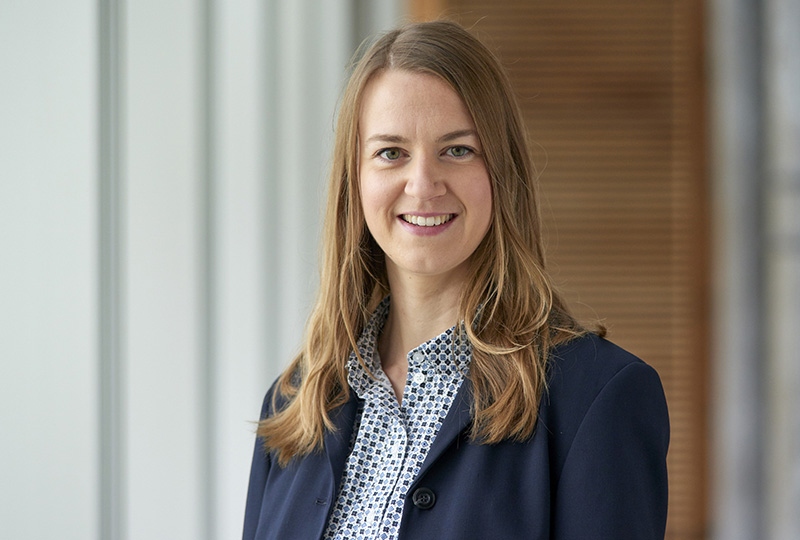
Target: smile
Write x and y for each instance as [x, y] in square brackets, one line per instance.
[432, 221]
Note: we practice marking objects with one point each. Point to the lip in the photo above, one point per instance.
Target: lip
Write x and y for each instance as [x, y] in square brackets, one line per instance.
[426, 231]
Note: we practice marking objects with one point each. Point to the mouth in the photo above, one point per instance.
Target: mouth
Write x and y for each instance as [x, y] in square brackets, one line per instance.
[427, 221]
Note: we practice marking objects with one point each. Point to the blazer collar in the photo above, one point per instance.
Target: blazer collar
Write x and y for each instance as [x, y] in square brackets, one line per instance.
[337, 442]
[457, 420]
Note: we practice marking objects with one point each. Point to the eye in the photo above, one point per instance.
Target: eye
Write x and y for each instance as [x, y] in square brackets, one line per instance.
[390, 154]
[459, 151]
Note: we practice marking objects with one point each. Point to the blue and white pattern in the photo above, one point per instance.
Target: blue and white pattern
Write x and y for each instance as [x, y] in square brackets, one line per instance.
[393, 439]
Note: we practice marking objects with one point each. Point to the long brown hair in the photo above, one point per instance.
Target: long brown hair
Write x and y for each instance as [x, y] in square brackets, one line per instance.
[522, 315]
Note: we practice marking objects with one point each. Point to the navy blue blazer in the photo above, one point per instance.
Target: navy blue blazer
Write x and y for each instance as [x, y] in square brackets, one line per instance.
[595, 467]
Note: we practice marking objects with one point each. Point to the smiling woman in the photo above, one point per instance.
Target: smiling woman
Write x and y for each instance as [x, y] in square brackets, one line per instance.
[427, 200]
[443, 389]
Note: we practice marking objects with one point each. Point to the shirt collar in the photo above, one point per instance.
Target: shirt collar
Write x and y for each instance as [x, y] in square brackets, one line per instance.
[448, 353]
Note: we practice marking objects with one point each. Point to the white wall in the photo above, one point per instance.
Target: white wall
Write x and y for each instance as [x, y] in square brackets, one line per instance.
[48, 270]
[161, 181]
[163, 307]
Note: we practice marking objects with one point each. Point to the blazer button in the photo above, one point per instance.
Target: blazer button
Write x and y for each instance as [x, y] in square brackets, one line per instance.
[424, 498]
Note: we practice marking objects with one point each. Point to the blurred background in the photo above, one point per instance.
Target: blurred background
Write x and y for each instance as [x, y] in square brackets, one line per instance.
[162, 174]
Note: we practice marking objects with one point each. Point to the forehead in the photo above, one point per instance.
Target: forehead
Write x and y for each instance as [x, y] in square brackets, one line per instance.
[401, 101]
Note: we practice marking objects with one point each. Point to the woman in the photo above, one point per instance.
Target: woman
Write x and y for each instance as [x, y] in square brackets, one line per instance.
[443, 389]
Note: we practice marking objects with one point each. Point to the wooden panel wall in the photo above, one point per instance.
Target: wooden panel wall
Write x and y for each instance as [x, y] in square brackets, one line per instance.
[612, 92]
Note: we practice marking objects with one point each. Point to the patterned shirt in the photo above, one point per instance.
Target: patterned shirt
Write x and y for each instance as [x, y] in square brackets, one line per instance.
[393, 439]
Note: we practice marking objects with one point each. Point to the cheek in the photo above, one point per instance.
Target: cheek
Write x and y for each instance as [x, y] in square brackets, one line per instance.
[374, 199]
[482, 197]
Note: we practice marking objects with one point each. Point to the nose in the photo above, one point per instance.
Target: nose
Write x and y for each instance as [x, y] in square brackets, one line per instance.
[425, 179]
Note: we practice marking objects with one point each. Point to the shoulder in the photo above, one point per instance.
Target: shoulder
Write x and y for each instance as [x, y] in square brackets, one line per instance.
[274, 400]
[595, 384]
[581, 368]
[267, 406]
[606, 424]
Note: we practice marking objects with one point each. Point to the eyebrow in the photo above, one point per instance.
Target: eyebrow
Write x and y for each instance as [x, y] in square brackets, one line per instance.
[447, 137]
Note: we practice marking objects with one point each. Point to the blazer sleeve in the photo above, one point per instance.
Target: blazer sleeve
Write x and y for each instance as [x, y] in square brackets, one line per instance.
[258, 479]
[613, 485]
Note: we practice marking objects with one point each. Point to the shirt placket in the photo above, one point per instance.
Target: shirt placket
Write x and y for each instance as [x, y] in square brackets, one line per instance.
[389, 462]
[395, 439]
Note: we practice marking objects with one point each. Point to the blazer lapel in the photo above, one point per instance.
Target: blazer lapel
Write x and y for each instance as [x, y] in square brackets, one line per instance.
[457, 420]
[337, 442]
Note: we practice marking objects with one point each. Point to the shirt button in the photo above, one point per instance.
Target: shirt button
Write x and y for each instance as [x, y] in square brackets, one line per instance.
[418, 357]
[418, 378]
[423, 498]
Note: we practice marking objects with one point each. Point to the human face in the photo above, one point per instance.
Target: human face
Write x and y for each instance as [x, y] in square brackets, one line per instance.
[425, 189]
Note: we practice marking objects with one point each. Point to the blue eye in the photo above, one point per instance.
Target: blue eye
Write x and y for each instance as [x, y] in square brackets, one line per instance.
[390, 154]
[459, 151]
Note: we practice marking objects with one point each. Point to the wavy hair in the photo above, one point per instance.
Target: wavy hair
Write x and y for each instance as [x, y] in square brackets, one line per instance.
[521, 316]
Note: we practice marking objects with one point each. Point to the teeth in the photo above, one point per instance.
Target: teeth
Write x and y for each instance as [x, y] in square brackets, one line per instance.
[427, 221]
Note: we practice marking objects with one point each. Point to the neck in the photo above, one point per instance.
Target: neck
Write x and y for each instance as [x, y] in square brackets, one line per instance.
[421, 309]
